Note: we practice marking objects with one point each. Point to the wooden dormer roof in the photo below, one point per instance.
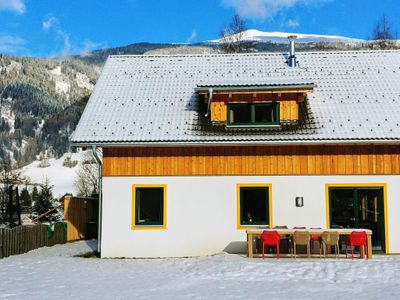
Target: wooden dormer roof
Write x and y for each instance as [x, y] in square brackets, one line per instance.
[270, 84]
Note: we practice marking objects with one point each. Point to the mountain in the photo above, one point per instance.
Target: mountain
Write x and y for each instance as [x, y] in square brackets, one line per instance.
[41, 101]
[100, 56]
[282, 38]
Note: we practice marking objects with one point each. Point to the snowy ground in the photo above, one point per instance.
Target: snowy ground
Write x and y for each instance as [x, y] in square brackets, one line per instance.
[62, 178]
[53, 273]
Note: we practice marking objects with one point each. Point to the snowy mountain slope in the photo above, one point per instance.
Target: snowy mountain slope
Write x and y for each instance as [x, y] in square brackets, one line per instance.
[62, 178]
[281, 37]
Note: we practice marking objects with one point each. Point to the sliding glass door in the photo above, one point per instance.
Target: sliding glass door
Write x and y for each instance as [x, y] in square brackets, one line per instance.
[359, 207]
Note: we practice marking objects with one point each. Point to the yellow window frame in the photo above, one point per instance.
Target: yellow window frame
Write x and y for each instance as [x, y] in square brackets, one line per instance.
[355, 185]
[240, 185]
[149, 227]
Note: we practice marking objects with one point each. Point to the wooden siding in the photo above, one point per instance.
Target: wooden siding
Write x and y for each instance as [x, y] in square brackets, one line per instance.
[78, 212]
[288, 104]
[268, 160]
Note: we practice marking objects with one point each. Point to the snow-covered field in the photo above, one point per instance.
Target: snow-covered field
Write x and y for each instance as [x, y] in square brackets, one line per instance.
[53, 273]
[62, 178]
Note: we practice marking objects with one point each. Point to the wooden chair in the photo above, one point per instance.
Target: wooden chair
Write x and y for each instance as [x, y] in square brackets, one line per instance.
[301, 238]
[328, 239]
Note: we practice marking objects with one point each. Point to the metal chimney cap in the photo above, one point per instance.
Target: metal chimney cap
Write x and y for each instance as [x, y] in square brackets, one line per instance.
[292, 37]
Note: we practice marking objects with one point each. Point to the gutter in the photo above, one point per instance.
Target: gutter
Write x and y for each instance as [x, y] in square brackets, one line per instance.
[210, 98]
[99, 225]
[238, 143]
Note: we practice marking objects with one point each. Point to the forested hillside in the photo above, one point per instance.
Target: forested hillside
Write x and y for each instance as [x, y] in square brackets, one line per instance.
[41, 102]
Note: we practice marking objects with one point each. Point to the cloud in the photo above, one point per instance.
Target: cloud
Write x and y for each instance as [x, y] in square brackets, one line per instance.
[192, 36]
[291, 23]
[69, 44]
[52, 24]
[17, 6]
[49, 23]
[89, 46]
[263, 9]
[12, 44]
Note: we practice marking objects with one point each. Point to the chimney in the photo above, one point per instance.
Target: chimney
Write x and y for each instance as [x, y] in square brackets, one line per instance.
[292, 52]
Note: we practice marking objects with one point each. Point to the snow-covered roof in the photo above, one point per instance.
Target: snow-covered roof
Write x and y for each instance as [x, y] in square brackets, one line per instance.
[151, 100]
[270, 83]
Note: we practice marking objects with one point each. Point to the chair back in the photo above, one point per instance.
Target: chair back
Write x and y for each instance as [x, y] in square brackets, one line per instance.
[315, 237]
[330, 237]
[301, 237]
[281, 227]
[358, 238]
[299, 227]
[270, 237]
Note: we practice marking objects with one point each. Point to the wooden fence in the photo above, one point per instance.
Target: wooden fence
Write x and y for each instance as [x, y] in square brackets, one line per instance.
[22, 239]
[81, 216]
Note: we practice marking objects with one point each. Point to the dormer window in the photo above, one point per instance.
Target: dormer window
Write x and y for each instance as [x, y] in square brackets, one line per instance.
[253, 114]
[252, 104]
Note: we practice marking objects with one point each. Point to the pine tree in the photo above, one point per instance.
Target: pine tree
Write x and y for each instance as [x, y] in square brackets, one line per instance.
[35, 195]
[45, 203]
[26, 200]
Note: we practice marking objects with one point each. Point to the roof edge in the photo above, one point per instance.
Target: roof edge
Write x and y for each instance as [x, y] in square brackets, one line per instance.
[393, 142]
[255, 87]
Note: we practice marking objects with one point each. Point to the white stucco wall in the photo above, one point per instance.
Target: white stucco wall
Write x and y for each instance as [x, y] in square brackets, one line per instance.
[202, 216]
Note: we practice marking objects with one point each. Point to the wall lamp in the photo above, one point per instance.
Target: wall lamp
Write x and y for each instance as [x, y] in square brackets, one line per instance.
[299, 201]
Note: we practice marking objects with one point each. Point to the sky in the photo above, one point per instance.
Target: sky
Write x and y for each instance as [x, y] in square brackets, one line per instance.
[47, 28]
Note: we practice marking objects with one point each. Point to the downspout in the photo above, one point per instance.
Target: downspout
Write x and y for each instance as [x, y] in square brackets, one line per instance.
[210, 98]
[96, 156]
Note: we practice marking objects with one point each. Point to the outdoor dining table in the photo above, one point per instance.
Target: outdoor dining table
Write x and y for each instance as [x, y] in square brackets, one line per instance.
[256, 233]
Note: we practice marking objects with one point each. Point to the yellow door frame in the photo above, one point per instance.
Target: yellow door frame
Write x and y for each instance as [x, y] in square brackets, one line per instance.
[356, 185]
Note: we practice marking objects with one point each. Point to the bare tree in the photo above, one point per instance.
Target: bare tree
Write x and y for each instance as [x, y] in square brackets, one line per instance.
[232, 37]
[382, 34]
[86, 182]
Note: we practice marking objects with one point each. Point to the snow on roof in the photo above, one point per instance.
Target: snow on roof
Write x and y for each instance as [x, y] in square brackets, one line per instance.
[152, 100]
[271, 82]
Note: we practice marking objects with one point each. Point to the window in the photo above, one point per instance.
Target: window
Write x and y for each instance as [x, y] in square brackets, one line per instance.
[253, 114]
[254, 205]
[148, 209]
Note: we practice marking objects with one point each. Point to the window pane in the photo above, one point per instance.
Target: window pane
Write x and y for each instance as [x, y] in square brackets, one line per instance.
[254, 206]
[149, 206]
[342, 208]
[265, 113]
[240, 114]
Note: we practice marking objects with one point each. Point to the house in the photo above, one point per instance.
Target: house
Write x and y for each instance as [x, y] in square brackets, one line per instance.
[196, 149]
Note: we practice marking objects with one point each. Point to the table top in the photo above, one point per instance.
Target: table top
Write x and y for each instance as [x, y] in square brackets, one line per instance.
[312, 231]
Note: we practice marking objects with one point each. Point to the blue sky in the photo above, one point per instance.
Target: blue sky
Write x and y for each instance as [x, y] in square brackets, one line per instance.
[61, 27]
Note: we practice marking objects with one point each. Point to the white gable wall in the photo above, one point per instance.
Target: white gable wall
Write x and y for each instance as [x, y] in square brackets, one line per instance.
[202, 212]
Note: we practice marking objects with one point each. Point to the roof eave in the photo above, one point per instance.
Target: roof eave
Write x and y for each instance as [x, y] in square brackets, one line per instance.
[238, 143]
[257, 88]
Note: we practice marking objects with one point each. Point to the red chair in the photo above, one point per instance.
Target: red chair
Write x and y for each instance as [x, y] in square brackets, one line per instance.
[270, 238]
[357, 238]
[315, 237]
